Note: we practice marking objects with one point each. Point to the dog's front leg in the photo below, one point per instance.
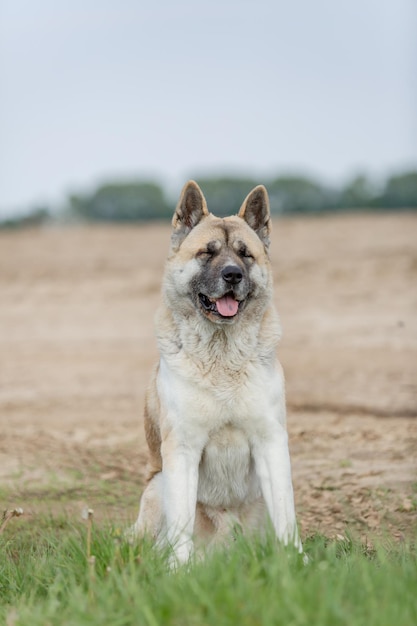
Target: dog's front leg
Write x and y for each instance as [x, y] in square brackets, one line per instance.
[180, 483]
[273, 467]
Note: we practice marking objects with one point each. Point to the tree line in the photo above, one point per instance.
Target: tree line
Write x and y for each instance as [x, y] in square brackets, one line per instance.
[144, 200]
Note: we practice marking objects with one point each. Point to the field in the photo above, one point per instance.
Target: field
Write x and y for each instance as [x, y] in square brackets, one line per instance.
[77, 345]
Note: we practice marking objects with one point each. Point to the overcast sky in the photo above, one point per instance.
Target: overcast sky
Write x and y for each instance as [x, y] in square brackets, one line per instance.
[102, 89]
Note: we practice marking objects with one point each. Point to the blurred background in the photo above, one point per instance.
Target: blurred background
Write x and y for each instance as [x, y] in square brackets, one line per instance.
[107, 108]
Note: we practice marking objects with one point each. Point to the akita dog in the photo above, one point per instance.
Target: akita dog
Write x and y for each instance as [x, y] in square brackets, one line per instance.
[215, 409]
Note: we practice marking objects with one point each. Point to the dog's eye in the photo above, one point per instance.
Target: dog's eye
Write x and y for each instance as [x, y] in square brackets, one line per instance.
[209, 251]
[206, 252]
[244, 253]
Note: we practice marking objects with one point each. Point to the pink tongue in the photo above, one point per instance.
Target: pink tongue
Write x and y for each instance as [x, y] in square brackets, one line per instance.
[227, 306]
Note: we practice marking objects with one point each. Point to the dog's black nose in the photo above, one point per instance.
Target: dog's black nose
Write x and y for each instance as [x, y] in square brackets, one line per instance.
[232, 274]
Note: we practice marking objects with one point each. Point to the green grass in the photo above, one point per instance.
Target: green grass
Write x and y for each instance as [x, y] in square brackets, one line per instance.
[46, 580]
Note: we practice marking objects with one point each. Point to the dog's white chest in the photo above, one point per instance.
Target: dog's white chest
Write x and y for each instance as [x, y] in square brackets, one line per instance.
[226, 472]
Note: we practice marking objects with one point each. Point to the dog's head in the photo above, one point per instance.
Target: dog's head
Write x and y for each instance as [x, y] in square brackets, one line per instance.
[219, 267]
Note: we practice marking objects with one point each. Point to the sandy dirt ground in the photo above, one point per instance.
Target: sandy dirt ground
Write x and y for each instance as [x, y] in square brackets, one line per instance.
[76, 347]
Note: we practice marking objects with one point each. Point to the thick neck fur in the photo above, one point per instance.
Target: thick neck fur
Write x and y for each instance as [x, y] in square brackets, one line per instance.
[218, 350]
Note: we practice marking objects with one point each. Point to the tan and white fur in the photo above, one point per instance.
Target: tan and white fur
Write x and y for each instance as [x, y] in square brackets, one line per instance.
[215, 416]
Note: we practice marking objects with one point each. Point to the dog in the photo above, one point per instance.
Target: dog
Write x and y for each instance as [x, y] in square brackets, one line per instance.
[215, 416]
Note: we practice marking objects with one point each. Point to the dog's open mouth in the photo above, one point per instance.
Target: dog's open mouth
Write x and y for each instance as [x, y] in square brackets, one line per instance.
[226, 306]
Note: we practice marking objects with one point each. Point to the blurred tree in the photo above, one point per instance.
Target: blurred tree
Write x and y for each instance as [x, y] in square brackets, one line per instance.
[357, 193]
[400, 192]
[225, 195]
[297, 194]
[36, 217]
[129, 201]
[145, 200]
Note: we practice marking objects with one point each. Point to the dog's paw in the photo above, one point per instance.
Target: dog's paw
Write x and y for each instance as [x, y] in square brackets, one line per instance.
[133, 534]
[180, 555]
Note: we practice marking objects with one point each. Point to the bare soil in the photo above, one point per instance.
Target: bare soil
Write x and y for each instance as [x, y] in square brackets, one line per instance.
[76, 347]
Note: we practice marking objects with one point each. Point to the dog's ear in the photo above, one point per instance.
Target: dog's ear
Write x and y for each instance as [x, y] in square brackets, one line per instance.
[255, 212]
[191, 208]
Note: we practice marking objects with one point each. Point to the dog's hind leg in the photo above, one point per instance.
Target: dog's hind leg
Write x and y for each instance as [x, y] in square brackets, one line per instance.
[151, 517]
